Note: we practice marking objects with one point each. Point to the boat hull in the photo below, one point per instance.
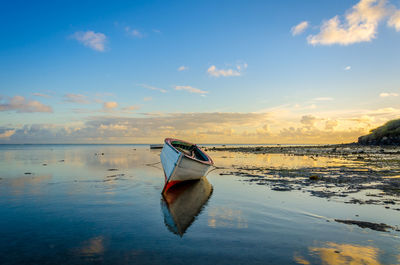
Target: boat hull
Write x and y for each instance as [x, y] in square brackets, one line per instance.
[178, 167]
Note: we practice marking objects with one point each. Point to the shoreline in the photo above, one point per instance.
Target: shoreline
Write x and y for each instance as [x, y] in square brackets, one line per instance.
[372, 177]
[327, 150]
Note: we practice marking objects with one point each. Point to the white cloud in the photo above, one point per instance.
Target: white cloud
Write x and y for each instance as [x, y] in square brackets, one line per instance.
[76, 98]
[182, 68]
[213, 71]
[134, 32]
[360, 25]
[110, 105]
[191, 89]
[385, 95]
[299, 28]
[394, 20]
[157, 31]
[153, 88]
[21, 105]
[147, 98]
[91, 39]
[347, 68]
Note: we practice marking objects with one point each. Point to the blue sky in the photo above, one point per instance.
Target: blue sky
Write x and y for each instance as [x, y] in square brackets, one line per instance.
[122, 71]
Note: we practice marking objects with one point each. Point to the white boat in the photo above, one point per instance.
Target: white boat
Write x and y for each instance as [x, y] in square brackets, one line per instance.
[182, 203]
[183, 161]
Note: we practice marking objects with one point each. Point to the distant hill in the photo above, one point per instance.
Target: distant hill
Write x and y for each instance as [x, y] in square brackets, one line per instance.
[387, 134]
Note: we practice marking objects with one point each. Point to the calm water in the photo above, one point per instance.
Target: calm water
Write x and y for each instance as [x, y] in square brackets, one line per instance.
[102, 204]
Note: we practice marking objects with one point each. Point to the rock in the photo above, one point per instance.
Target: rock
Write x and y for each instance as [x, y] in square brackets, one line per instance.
[281, 188]
[374, 226]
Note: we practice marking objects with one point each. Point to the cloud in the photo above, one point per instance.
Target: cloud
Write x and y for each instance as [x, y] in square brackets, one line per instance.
[331, 124]
[314, 135]
[182, 68]
[147, 98]
[41, 95]
[91, 39]
[213, 71]
[283, 124]
[191, 89]
[347, 68]
[130, 108]
[192, 126]
[157, 31]
[385, 95]
[76, 98]
[299, 28]
[110, 105]
[6, 133]
[153, 88]
[21, 105]
[134, 33]
[360, 25]
[308, 120]
[394, 20]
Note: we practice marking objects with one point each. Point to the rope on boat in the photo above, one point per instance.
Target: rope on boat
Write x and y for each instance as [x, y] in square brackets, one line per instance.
[215, 168]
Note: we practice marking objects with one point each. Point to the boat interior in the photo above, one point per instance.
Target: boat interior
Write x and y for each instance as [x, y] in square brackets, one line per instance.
[189, 150]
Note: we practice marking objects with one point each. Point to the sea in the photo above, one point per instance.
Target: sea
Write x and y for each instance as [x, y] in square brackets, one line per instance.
[102, 204]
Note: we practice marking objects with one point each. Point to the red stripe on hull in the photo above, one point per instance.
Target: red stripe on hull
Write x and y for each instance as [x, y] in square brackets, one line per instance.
[169, 184]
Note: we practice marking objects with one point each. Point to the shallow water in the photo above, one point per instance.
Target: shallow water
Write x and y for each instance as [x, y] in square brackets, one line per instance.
[74, 204]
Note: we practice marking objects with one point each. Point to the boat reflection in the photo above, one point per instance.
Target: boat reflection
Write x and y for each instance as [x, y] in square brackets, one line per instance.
[183, 202]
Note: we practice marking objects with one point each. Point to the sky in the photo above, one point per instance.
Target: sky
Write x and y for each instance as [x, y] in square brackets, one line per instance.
[250, 72]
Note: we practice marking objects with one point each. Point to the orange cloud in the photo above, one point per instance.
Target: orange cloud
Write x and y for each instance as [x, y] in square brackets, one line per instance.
[20, 105]
[110, 105]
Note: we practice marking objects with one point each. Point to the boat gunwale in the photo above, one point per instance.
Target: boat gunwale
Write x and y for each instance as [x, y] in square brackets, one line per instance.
[168, 141]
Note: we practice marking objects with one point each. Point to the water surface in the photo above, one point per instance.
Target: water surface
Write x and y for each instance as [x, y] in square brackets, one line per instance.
[83, 204]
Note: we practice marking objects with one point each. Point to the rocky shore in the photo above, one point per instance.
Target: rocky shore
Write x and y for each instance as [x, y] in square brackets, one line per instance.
[372, 177]
[352, 150]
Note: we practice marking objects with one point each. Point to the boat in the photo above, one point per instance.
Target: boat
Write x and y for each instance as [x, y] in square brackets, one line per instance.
[183, 161]
[156, 146]
[183, 202]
